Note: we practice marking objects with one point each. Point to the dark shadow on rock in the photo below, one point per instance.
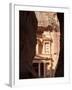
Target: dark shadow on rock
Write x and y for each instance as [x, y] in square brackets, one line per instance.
[27, 43]
[60, 66]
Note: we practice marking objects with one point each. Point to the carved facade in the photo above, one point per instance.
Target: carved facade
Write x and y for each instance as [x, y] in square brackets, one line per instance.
[48, 43]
